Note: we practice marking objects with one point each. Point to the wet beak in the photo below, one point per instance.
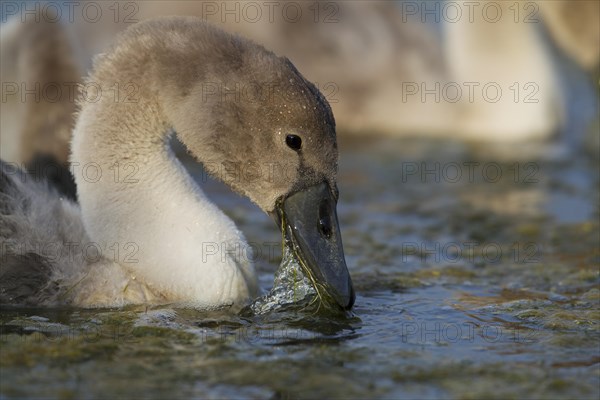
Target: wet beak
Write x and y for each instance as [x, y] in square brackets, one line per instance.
[309, 221]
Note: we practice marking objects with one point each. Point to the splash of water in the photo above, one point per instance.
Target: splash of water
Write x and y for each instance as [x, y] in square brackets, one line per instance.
[291, 286]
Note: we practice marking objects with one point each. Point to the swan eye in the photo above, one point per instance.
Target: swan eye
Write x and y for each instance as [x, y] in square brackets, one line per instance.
[293, 142]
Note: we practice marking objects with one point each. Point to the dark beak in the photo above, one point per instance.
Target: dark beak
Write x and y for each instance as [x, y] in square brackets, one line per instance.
[309, 221]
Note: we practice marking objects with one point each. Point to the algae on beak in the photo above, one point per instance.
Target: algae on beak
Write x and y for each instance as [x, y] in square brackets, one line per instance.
[308, 220]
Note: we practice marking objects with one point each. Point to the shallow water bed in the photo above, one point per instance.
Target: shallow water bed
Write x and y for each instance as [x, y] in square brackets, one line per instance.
[478, 286]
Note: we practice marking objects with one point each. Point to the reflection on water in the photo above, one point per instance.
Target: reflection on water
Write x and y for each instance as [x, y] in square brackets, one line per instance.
[479, 286]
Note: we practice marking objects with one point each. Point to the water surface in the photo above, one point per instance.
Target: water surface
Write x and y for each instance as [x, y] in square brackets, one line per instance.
[476, 272]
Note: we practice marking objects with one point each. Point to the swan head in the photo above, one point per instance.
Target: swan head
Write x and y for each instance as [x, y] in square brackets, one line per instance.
[259, 126]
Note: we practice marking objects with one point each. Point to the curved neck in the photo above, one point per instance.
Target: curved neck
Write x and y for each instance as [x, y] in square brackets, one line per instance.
[136, 197]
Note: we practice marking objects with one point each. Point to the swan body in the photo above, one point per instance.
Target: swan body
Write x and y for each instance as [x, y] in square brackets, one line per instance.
[513, 70]
[41, 75]
[151, 229]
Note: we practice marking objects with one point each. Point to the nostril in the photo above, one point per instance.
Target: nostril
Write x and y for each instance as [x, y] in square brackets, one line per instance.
[325, 228]
[325, 220]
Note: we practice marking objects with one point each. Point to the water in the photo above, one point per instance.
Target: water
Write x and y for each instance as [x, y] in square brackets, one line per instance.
[291, 287]
[481, 286]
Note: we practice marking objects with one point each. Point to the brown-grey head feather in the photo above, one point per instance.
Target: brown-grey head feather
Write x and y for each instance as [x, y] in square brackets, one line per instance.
[246, 100]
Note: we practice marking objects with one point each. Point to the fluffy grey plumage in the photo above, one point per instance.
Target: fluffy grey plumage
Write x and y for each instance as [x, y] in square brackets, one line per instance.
[170, 63]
